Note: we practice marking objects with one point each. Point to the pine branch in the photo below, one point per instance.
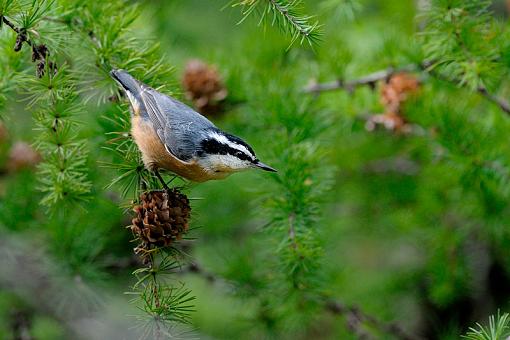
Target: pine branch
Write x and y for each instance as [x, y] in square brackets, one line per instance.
[502, 103]
[498, 329]
[298, 26]
[463, 41]
[286, 15]
[199, 270]
[62, 174]
[39, 52]
[163, 304]
[115, 47]
[11, 25]
[383, 75]
[368, 80]
[293, 207]
[356, 318]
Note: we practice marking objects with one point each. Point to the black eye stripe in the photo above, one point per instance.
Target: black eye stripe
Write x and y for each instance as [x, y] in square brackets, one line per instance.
[214, 147]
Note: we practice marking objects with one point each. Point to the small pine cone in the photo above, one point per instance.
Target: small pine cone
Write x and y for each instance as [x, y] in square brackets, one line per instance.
[162, 217]
[20, 39]
[397, 89]
[203, 86]
[39, 69]
[22, 156]
[39, 52]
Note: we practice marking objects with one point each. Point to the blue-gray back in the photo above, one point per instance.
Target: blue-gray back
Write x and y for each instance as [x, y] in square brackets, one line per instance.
[178, 126]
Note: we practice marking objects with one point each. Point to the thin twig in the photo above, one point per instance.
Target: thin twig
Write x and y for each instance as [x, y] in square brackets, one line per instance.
[10, 24]
[368, 80]
[502, 103]
[291, 19]
[372, 78]
[19, 31]
[39, 52]
[195, 268]
[356, 318]
[482, 90]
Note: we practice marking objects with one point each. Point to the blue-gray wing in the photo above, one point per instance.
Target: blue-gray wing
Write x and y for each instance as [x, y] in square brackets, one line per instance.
[178, 126]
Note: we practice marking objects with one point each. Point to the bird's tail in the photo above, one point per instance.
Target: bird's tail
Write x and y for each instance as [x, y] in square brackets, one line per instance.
[130, 85]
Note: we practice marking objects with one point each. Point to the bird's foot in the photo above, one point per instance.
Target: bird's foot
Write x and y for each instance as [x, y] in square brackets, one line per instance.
[158, 175]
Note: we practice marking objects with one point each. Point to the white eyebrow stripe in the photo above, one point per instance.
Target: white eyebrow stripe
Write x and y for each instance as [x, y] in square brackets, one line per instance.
[224, 140]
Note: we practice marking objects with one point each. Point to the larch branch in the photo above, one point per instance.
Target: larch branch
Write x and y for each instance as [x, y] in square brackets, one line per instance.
[356, 317]
[372, 78]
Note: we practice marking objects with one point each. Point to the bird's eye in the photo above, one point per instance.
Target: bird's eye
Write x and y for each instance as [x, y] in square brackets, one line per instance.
[239, 154]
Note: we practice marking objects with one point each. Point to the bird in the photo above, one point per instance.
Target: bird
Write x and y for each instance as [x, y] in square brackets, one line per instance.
[172, 136]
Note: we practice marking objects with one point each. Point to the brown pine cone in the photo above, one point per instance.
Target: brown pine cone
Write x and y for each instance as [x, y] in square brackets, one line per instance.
[203, 86]
[393, 93]
[162, 217]
[397, 89]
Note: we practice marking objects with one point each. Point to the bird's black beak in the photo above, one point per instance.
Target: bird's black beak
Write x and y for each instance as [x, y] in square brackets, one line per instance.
[263, 166]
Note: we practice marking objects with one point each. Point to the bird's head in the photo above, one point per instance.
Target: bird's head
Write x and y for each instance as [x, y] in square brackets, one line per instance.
[222, 154]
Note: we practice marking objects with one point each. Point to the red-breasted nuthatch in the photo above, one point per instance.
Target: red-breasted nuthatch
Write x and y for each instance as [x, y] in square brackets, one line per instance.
[172, 136]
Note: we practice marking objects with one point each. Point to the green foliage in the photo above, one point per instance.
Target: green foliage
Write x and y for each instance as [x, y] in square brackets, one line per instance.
[8, 6]
[342, 9]
[8, 65]
[113, 45]
[498, 329]
[163, 304]
[33, 14]
[300, 187]
[464, 42]
[360, 234]
[68, 76]
[63, 177]
[285, 14]
[52, 96]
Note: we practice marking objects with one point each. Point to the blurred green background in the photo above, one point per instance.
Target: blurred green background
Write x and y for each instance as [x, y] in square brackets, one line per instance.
[413, 227]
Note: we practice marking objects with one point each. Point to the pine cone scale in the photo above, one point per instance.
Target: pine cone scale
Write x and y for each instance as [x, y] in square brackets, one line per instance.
[161, 218]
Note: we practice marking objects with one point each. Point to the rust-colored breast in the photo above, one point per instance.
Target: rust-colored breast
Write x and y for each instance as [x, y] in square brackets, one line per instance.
[156, 156]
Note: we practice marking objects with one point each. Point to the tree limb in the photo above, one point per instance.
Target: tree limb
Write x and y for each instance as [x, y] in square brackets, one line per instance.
[372, 78]
[10, 24]
[196, 268]
[39, 52]
[356, 318]
[368, 80]
[502, 103]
